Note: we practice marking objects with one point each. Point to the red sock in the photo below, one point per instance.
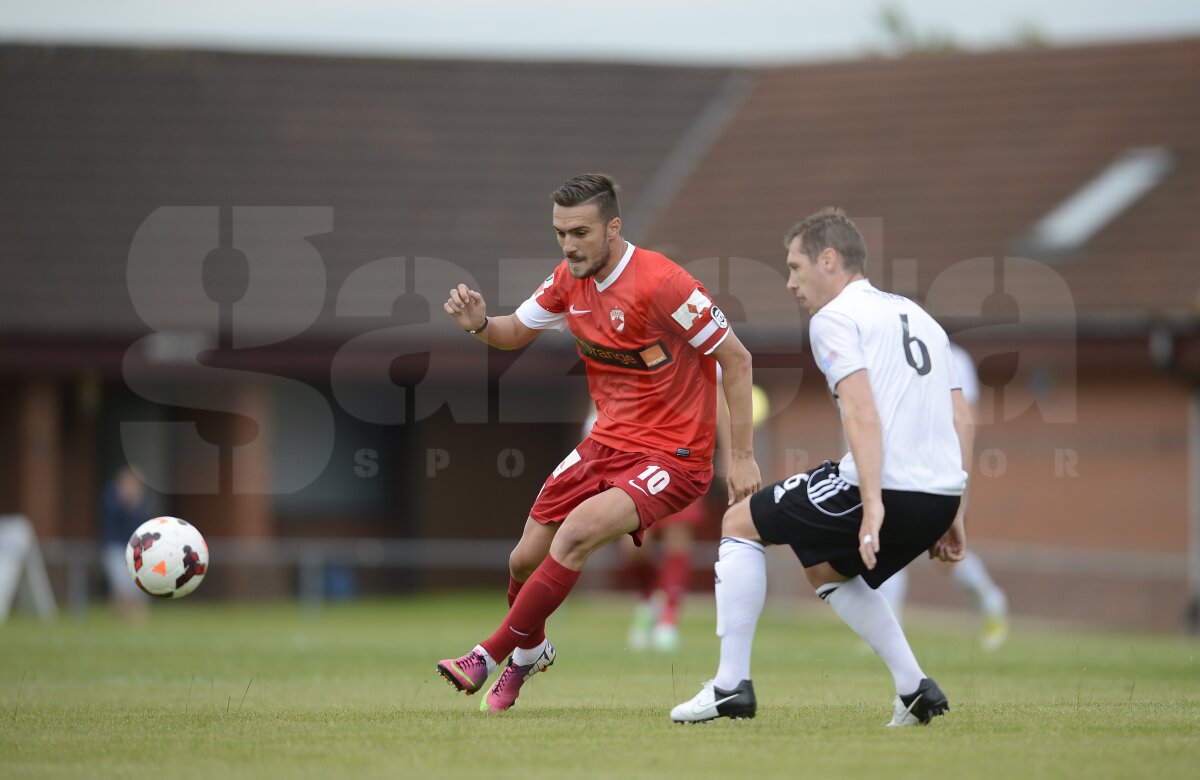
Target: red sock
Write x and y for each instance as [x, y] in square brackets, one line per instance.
[514, 588]
[640, 573]
[676, 573]
[538, 635]
[541, 594]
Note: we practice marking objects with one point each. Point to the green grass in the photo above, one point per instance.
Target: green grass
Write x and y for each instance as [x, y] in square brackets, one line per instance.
[270, 691]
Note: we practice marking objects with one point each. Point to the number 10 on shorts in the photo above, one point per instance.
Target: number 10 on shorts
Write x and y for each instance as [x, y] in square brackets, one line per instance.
[655, 479]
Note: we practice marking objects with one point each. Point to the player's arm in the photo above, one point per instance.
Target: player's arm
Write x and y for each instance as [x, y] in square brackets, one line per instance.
[743, 477]
[469, 311]
[864, 432]
[953, 544]
[723, 436]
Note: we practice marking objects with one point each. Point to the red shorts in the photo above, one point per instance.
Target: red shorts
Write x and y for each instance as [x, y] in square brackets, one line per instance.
[694, 514]
[658, 485]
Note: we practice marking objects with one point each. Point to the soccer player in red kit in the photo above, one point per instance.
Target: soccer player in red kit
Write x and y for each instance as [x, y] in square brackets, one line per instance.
[650, 338]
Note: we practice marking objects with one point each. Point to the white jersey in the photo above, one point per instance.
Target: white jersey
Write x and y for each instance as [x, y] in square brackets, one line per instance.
[907, 358]
[963, 374]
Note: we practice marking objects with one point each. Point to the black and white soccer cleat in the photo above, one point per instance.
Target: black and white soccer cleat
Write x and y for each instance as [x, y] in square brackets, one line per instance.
[713, 702]
[920, 706]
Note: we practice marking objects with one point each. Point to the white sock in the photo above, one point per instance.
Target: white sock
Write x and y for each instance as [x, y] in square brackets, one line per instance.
[741, 591]
[523, 656]
[972, 575]
[491, 662]
[895, 589]
[868, 613]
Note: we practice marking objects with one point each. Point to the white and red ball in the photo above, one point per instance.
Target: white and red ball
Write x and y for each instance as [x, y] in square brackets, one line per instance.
[167, 557]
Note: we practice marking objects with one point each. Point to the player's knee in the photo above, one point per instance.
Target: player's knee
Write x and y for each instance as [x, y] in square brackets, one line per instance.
[737, 521]
[573, 543]
[521, 565]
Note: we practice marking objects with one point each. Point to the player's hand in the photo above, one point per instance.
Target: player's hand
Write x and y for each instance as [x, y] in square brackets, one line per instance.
[743, 478]
[868, 533]
[952, 547]
[467, 307]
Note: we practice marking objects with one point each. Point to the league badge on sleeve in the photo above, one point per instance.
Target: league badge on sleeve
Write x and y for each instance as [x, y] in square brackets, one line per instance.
[692, 308]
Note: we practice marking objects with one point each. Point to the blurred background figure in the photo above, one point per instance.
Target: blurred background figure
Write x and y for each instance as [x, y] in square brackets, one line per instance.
[969, 574]
[662, 581]
[661, 576]
[124, 505]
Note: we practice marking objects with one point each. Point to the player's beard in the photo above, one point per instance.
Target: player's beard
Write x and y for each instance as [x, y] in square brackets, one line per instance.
[593, 269]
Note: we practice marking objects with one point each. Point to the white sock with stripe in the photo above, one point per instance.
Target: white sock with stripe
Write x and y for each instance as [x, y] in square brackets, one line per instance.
[868, 613]
[741, 591]
[523, 656]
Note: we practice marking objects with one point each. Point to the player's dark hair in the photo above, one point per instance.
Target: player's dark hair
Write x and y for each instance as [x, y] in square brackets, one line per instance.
[830, 228]
[595, 188]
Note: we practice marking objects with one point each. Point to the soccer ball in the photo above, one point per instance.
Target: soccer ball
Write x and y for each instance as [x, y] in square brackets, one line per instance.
[167, 557]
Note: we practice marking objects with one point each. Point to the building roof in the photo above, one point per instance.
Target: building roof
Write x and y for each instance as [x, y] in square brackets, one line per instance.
[948, 162]
[418, 159]
[955, 157]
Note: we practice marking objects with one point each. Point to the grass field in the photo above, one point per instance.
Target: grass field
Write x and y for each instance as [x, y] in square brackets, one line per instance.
[270, 691]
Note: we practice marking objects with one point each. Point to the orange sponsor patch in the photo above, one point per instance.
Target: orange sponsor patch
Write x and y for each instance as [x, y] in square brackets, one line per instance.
[653, 355]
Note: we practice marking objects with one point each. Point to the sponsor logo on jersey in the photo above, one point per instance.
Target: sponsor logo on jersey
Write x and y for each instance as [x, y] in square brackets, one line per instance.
[573, 310]
[647, 358]
[693, 307]
[618, 319]
[655, 355]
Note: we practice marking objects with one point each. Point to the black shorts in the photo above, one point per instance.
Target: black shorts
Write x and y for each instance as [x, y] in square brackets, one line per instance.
[818, 514]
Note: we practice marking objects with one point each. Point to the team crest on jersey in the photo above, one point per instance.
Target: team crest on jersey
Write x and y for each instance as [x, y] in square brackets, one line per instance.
[618, 319]
[693, 307]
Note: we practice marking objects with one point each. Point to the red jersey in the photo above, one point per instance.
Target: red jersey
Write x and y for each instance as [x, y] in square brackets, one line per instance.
[644, 334]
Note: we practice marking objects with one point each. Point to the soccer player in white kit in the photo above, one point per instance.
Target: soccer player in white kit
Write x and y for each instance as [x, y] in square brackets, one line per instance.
[894, 495]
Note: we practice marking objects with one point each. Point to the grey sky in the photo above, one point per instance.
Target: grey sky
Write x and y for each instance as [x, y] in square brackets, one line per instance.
[698, 31]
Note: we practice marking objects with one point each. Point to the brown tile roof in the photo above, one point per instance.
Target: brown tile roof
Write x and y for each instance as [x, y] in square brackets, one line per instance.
[959, 156]
[946, 158]
[452, 160]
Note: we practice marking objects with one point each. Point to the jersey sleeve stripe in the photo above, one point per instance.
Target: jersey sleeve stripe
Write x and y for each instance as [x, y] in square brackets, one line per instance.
[724, 336]
[533, 315]
[703, 335]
